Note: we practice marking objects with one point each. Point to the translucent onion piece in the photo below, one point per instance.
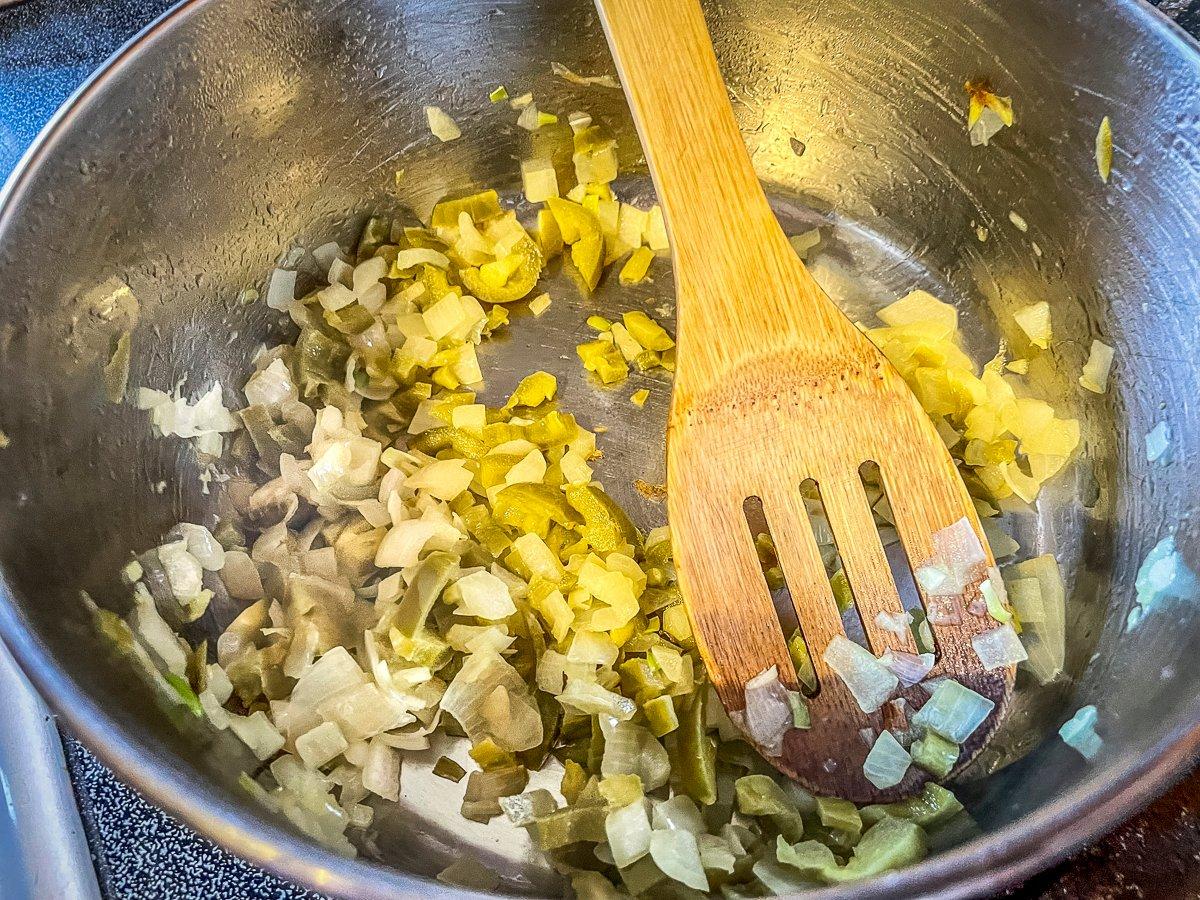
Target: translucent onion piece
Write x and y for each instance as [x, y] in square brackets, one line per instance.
[680, 812]
[281, 289]
[887, 763]
[908, 667]
[381, 773]
[632, 750]
[1034, 320]
[320, 745]
[954, 711]
[1158, 443]
[443, 127]
[481, 675]
[999, 647]
[896, 623]
[628, 830]
[1080, 732]
[1045, 640]
[257, 733]
[870, 683]
[768, 715]
[1097, 368]
[677, 854]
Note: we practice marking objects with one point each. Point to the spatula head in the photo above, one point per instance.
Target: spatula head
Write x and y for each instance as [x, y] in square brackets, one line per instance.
[759, 423]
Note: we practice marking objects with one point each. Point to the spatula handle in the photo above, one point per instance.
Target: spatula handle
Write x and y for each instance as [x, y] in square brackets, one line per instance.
[725, 239]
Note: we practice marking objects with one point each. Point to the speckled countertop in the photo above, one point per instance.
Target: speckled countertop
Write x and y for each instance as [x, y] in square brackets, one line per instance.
[47, 47]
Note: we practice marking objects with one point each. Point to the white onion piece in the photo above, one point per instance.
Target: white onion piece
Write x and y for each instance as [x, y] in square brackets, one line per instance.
[476, 681]
[677, 854]
[632, 750]
[680, 812]
[184, 572]
[887, 763]
[999, 647]
[628, 831]
[908, 667]
[155, 634]
[869, 682]
[281, 289]
[335, 672]
[257, 733]
[270, 386]
[201, 544]
[768, 715]
[326, 254]
[896, 623]
[320, 745]
[443, 127]
[381, 772]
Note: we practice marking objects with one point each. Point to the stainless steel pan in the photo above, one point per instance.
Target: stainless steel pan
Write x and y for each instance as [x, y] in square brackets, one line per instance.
[230, 131]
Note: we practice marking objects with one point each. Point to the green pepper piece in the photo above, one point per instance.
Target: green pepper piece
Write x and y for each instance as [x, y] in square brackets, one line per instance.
[376, 232]
[570, 826]
[319, 359]
[351, 319]
[932, 807]
[436, 440]
[694, 760]
[532, 508]
[935, 754]
[573, 779]
[605, 524]
[839, 815]
[447, 768]
[552, 430]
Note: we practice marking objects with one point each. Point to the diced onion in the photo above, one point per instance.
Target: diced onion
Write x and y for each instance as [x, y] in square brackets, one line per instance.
[628, 830]
[539, 179]
[443, 127]
[1158, 443]
[896, 623]
[909, 668]
[320, 745]
[281, 290]
[887, 763]
[1096, 369]
[870, 683]
[677, 854]
[768, 715]
[1079, 732]
[953, 711]
[1035, 322]
[257, 733]
[999, 647]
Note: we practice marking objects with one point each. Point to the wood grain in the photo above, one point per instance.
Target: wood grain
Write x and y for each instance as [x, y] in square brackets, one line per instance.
[774, 385]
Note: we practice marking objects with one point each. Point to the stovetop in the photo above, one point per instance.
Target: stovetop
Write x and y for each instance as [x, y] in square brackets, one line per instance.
[47, 48]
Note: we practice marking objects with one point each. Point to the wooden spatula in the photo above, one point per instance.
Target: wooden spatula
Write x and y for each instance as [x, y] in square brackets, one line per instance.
[775, 386]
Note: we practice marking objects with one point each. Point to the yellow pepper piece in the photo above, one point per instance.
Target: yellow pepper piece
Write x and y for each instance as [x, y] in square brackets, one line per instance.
[646, 331]
[435, 440]
[604, 359]
[479, 207]
[574, 222]
[533, 390]
[521, 268]
[587, 255]
[549, 237]
[636, 266]
[531, 508]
